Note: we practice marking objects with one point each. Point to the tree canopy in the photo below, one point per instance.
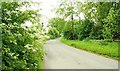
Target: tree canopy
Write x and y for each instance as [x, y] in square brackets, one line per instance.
[101, 19]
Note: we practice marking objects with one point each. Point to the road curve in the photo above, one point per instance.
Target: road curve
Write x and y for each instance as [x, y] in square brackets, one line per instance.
[61, 56]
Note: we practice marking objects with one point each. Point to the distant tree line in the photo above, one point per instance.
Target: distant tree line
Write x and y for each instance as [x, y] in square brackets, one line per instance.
[101, 20]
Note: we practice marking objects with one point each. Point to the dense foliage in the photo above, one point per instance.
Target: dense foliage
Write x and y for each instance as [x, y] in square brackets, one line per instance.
[53, 33]
[69, 32]
[97, 27]
[101, 20]
[57, 23]
[22, 45]
[85, 29]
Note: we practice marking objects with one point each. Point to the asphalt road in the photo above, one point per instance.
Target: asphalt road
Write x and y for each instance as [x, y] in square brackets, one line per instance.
[61, 56]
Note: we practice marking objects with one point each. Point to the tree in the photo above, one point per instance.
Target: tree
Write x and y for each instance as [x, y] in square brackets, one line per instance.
[67, 10]
[100, 13]
[57, 23]
[111, 25]
[68, 32]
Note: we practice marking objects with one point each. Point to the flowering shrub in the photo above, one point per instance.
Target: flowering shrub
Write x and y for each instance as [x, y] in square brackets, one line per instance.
[21, 45]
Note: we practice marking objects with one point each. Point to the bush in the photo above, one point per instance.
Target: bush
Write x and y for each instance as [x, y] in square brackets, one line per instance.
[69, 32]
[21, 47]
[20, 51]
[96, 35]
[85, 29]
[53, 33]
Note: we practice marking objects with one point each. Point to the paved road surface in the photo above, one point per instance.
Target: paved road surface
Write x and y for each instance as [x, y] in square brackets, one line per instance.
[61, 56]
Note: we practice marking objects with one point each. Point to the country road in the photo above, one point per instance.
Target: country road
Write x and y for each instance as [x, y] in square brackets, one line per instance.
[61, 56]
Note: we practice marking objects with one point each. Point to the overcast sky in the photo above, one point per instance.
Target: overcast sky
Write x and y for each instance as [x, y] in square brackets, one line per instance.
[46, 6]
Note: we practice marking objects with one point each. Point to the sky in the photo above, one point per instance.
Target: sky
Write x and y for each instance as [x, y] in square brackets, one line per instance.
[46, 9]
[47, 6]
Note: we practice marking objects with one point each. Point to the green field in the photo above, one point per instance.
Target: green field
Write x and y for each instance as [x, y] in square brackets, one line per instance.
[107, 49]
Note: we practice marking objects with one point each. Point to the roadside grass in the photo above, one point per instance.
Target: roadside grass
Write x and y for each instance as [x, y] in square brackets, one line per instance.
[107, 49]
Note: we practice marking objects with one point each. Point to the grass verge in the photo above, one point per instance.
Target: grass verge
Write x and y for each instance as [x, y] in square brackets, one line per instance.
[107, 49]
